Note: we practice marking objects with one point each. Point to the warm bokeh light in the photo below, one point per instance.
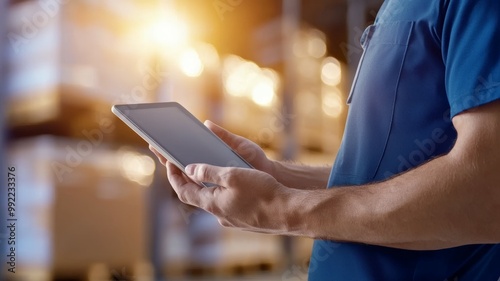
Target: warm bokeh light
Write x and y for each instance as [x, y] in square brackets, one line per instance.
[316, 46]
[166, 31]
[84, 176]
[246, 79]
[273, 75]
[309, 43]
[331, 71]
[230, 63]
[241, 78]
[263, 92]
[331, 102]
[137, 167]
[208, 55]
[190, 63]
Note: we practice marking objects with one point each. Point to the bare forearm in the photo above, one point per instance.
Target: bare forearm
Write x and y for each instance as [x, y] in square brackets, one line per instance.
[301, 176]
[441, 204]
[449, 201]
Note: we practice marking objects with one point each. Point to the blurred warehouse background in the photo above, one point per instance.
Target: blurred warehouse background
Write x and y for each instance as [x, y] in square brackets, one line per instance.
[92, 203]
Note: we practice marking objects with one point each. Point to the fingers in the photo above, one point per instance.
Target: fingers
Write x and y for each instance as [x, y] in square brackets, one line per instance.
[162, 159]
[231, 139]
[188, 191]
[221, 176]
[244, 147]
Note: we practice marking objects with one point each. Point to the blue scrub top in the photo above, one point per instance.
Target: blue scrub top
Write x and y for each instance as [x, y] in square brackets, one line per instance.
[423, 63]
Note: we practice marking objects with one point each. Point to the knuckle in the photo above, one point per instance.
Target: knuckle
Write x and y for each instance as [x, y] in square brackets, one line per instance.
[203, 172]
[230, 177]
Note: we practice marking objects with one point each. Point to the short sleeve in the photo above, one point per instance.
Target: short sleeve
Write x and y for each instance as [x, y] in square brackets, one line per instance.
[471, 53]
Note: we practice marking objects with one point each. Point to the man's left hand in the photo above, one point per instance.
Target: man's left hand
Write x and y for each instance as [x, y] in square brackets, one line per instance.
[242, 198]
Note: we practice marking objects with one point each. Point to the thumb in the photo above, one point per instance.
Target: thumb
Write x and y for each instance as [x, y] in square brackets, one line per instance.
[208, 173]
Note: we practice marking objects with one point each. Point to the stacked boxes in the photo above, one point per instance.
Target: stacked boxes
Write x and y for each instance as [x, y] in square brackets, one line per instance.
[77, 209]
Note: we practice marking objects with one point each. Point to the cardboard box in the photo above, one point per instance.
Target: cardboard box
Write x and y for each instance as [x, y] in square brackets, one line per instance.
[79, 205]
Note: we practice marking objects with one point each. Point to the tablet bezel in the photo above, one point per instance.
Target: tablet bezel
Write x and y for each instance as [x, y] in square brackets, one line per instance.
[120, 110]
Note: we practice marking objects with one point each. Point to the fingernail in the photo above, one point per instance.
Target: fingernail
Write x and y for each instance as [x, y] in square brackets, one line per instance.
[190, 169]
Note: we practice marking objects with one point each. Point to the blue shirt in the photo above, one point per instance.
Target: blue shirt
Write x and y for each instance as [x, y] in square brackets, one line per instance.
[423, 63]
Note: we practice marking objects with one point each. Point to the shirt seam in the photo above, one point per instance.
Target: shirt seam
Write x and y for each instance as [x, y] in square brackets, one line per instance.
[461, 106]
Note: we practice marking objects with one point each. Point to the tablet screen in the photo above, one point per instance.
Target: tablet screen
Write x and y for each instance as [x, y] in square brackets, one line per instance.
[183, 136]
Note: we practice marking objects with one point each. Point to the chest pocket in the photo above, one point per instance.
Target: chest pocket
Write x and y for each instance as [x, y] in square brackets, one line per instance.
[372, 100]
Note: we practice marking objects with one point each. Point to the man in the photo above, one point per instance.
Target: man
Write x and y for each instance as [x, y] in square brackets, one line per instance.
[414, 193]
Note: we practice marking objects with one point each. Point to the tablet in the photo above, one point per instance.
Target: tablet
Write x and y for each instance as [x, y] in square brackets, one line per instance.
[178, 135]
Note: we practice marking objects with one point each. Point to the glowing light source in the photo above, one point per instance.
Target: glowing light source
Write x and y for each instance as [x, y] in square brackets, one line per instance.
[167, 32]
[242, 78]
[332, 103]
[263, 91]
[136, 167]
[331, 71]
[230, 63]
[246, 79]
[316, 47]
[208, 55]
[190, 63]
[273, 75]
[315, 43]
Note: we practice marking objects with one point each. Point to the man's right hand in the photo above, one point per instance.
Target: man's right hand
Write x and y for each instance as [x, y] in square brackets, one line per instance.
[246, 148]
[288, 174]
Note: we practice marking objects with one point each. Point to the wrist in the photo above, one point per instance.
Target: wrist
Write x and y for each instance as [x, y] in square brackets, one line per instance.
[317, 214]
[297, 213]
[280, 172]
